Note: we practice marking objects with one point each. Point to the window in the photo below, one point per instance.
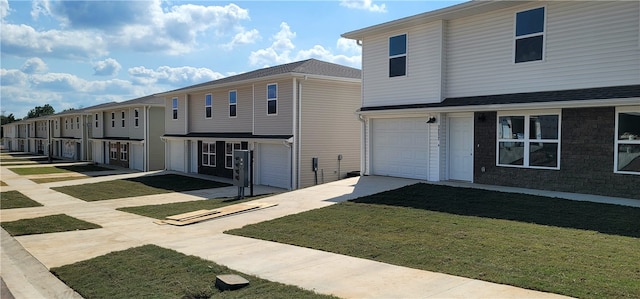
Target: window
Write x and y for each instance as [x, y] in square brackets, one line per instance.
[229, 148]
[209, 154]
[56, 124]
[113, 151]
[124, 154]
[272, 99]
[207, 106]
[529, 39]
[174, 108]
[122, 118]
[97, 120]
[77, 122]
[398, 55]
[113, 119]
[233, 103]
[529, 140]
[136, 117]
[627, 141]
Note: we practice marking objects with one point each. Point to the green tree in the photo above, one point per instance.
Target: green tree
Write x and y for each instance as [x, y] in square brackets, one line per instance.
[41, 111]
[7, 119]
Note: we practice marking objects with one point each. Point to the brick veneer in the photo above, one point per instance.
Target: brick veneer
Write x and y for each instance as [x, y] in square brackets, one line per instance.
[586, 157]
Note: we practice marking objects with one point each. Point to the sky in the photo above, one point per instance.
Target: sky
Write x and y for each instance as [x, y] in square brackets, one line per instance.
[77, 54]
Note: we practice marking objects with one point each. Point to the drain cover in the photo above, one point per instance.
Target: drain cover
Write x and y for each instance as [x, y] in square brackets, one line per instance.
[230, 282]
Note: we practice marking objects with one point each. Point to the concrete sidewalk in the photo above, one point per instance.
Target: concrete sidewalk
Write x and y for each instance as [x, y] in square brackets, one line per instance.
[315, 270]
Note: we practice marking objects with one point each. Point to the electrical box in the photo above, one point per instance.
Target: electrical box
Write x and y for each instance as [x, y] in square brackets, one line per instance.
[241, 168]
[314, 164]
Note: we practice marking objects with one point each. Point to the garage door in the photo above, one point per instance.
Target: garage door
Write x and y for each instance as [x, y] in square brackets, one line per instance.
[275, 167]
[177, 153]
[400, 147]
[137, 157]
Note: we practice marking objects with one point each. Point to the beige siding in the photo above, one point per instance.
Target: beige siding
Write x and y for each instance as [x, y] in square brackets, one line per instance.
[41, 128]
[69, 126]
[175, 126]
[329, 128]
[155, 144]
[587, 44]
[135, 132]
[422, 84]
[98, 132]
[220, 120]
[118, 130]
[282, 122]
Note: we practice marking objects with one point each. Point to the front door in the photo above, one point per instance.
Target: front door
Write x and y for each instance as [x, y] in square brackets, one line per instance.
[461, 148]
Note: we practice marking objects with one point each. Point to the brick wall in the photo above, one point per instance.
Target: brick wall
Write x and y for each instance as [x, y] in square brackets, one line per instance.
[586, 157]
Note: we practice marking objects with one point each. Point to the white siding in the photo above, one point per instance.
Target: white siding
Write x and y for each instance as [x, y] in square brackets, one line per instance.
[587, 44]
[422, 84]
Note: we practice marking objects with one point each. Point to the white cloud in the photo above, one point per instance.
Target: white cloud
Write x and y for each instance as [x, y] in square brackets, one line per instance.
[176, 77]
[107, 67]
[348, 45]
[23, 40]
[4, 8]
[34, 65]
[243, 38]
[364, 5]
[281, 49]
[40, 7]
[13, 78]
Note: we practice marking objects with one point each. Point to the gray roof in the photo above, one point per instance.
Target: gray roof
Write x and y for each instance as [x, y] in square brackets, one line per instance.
[585, 94]
[304, 67]
[146, 100]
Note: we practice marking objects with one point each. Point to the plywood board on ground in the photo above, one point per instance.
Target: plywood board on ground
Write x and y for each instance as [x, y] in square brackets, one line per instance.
[189, 215]
[202, 215]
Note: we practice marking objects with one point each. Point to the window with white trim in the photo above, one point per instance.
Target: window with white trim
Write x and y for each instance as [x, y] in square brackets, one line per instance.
[77, 123]
[124, 153]
[97, 120]
[529, 35]
[229, 148]
[113, 151]
[71, 124]
[233, 103]
[529, 140]
[272, 99]
[113, 119]
[627, 140]
[208, 110]
[209, 154]
[136, 117]
[398, 55]
[174, 108]
[122, 118]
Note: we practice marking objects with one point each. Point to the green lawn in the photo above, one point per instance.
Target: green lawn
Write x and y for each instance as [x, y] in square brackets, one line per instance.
[154, 272]
[163, 210]
[46, 224]
[145, 185]
[58, 179]
[15, 199]
[579, 249]
[57, 169]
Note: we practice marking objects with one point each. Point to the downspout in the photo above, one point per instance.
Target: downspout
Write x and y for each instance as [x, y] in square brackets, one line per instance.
[299, 143]
[363, 149]
[293, 172]
[145, 167]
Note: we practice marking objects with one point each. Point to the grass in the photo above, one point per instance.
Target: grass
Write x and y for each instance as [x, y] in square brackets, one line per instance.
[154, 272]
[58, 179]
[579, 249]
[163, 210]
[46, 224]
[15, 200]
[57, 169]
[140, 186]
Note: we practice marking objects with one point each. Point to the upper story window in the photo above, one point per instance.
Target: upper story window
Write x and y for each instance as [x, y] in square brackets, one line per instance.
[529, 38]
[56, 124]
[529, 140]
[77, 122]
[272, 99]
[233, 103]
[207, 106]
[398, 55]
[627, 140]
[113, 119]
[97, 120]
[71, 124]
[122, 118]
[136, 117]
[174, 108]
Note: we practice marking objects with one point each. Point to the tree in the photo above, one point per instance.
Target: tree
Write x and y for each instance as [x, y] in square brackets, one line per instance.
[7, 119]
[40, 111]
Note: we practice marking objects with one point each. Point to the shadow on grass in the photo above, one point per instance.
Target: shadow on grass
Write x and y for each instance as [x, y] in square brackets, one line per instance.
[177, 183]
[604, 218]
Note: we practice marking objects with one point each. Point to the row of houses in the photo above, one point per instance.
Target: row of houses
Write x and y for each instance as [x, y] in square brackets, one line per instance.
[534, 94]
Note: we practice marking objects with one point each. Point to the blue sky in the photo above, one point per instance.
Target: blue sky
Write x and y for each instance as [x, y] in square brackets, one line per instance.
[75, 54]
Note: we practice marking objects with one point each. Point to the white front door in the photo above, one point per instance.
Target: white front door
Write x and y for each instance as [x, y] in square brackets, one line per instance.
[461, 148]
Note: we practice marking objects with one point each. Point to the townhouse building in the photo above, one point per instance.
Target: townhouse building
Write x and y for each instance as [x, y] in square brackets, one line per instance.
[534, 94]
[297, 118]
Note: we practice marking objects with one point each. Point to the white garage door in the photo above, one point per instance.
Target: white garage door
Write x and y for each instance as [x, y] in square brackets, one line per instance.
[400, 147]
[137, 156]
[177, 154]
[275, 167]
